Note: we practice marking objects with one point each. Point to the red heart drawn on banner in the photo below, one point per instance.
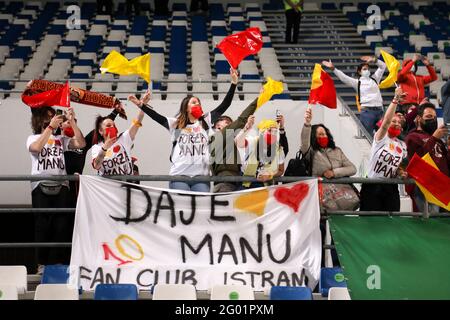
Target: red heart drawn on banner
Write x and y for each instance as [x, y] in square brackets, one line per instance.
[116, 149]
[57, 143]
[292, 197]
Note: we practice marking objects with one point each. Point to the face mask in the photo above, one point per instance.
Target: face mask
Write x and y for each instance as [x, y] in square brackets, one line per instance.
[69, 132]
[429, 126]
[365, 73]
[269, 138]
[197, 111]
[111, 132]
[394, 132]
[323, 141]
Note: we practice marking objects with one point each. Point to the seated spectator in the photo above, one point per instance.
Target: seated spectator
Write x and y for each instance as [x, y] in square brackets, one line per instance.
[112, 153]
[368, 97]
[47, 158]
[263, 156]
[326, 159]
[428, 138]
[386, 162]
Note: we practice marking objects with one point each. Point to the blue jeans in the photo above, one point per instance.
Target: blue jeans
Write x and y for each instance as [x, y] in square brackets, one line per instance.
[419, 198]
[369, 119]
[190, 186]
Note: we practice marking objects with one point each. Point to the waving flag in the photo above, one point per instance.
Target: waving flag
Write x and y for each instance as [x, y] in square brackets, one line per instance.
[59, 97]
[240, 45]
[433, 183]
[117, 63]
[322, 89]
[270, 88]
[393, 66]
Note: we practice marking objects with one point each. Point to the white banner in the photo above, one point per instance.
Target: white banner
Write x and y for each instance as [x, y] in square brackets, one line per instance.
[128, 233]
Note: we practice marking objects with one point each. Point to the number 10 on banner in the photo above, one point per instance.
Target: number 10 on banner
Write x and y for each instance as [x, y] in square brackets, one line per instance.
[120, 241]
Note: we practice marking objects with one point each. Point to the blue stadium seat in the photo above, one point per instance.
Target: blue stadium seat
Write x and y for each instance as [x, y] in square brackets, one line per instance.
[134, 50]
[179, 7]
[55, 274]
[250, 77]
[57, 29]
[331, 277]
[238, 26]
[216, 11]
[328, 6]
[222, 67]
[290, 293]
[64, 55]
[92, 44]
[199, 31]
[155, 50]
[79, 76]
[219, 31]
[116, 292]
[85, 62]
[21, 53]
[158, 33]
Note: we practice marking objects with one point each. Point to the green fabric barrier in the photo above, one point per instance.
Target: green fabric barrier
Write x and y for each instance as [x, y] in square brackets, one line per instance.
[413, 256]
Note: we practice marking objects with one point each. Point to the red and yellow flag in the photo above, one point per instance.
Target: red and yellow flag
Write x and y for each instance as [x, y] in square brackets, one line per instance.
[322, 89]
[433, 183]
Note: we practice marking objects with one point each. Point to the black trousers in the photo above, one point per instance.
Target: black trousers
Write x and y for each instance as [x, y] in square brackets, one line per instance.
[135, 4]
[380, 197]
[52, 227]
[293, 19]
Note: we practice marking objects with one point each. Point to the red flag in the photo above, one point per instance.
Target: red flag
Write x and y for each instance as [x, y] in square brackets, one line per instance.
[237, 46]
[437, 183]
[322, 89]
[59, 97]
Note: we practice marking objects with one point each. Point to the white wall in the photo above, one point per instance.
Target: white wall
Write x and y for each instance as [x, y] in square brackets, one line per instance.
[152, 144]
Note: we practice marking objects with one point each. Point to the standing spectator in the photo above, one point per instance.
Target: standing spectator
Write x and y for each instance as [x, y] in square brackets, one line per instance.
[190, 132]
[414, 86]
[195, 6]
[263, 156]
[386, 162]
[368, 93]
[112, 154]
[445, 93]
[326, 159]
[428, 138]
[136, 4]
[293, 11]
[47, 158]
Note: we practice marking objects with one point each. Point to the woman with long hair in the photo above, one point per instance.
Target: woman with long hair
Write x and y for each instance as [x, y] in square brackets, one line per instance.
[190, 131]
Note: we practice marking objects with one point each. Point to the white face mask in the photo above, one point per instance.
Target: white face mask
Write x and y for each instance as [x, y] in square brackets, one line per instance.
[365, 73]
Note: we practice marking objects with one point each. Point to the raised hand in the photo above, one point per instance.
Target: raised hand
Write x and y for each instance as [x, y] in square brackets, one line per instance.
[328, 64]
[308, 116]
[146, 97]
[368, 59]
[135, 100]
[234, 76]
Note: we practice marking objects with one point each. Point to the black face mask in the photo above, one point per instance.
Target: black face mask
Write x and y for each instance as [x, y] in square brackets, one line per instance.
[429, 126]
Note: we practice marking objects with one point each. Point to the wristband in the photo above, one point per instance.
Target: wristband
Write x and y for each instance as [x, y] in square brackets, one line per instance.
[50, 127]
[137, 123]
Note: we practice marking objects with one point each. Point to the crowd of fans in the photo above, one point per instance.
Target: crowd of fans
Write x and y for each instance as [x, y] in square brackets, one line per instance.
[201, 145]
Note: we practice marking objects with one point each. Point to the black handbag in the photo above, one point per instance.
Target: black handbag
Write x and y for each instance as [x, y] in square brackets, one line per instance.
[300, 166]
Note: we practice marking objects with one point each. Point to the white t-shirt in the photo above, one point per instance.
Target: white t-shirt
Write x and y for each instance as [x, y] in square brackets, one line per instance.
[190, 156]
[386, 156]
[251, 145]
[50, 161]
[117, 160]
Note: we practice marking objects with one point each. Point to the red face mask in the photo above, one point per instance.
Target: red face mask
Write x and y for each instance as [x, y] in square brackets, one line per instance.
[68, 132]
[269, 138]
[394, 132]
[322, 141]
[111, 132]
[196, 111]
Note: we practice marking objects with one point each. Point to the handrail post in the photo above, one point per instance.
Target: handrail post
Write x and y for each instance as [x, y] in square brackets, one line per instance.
[426, 211]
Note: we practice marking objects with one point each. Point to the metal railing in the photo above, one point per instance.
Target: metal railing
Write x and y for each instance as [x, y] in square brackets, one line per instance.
[157, 178]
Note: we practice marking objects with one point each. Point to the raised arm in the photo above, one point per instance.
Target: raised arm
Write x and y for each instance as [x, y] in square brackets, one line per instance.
[142, 104]
[240, 138]
[77, 142]
[283, 139]
[305, 136]
[342, 76]
[432, 73]
[390, 112]
[217, 112]
[380, 71]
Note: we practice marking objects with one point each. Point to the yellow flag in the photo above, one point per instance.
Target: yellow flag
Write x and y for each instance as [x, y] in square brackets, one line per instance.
[269, 89]
[430, 198]
[117, 63]
[393, 66]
